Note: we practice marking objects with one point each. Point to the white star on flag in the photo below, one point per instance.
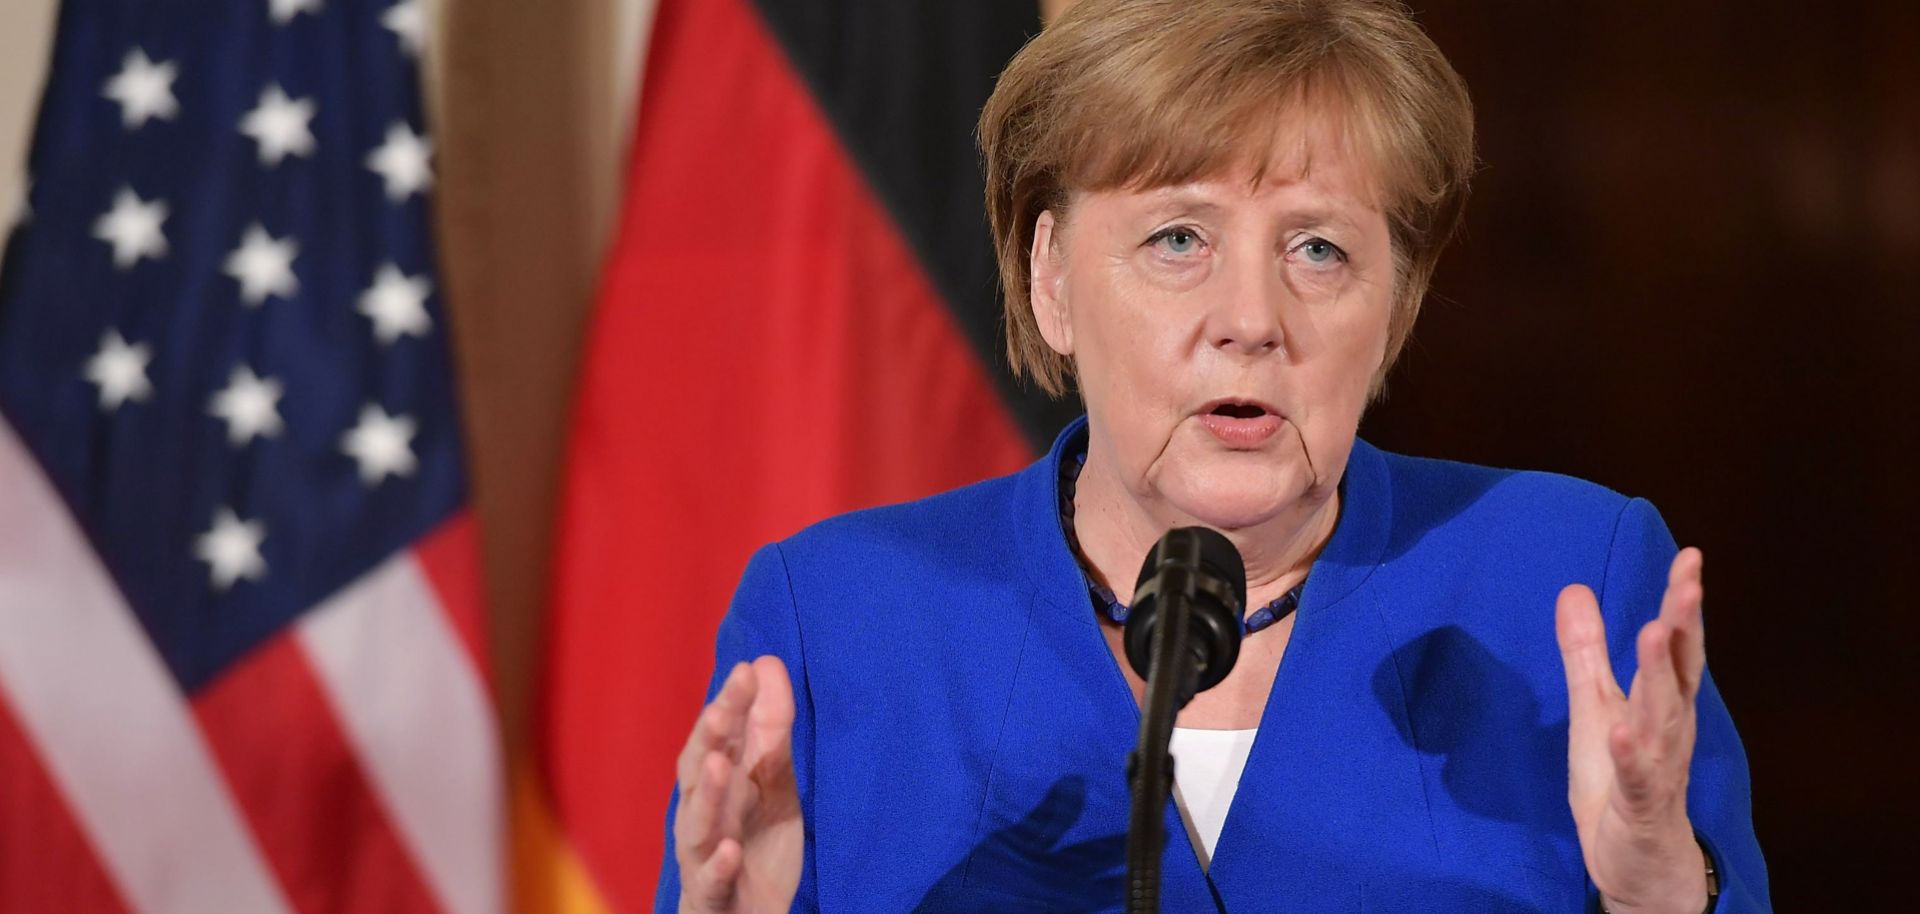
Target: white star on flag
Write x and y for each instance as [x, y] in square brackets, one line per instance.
[381, 444]
[263, 266]
[231, 549]
[397, 304]
[133, 228]
[401, 162]
[249, 404]
[120, 370]
[283, 11]
[406, 20]
[279, 125]
[144, 90]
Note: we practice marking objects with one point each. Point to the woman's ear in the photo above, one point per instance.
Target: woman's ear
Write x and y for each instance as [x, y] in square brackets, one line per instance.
[1047, 272]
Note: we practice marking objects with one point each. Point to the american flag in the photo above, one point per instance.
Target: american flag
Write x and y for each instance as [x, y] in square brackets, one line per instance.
[241, 649]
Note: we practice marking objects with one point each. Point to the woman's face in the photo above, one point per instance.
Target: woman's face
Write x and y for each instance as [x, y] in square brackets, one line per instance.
[1224, 334]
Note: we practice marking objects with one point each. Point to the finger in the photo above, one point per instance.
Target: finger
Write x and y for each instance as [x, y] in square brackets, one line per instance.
[712, 885]
[702, 736]
[717, 724]
[767, 790]
[770, 720]
[1583, 652]
[733, 703]
[1593, 696]
[1633, 768]
[697, 827]
[1654, 707]
[770, 734]
[1680, 609]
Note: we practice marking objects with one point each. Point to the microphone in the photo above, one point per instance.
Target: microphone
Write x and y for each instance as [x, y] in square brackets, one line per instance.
[1207, 562]
[1182, 637]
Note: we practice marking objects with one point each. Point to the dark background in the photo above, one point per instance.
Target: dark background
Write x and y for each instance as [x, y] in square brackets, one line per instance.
[1691, 272]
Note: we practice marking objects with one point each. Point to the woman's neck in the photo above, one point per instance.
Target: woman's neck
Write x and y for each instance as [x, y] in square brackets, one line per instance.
[1116, 528]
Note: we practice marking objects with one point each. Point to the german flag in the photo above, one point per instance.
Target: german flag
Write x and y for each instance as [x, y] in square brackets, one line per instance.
[800, 317]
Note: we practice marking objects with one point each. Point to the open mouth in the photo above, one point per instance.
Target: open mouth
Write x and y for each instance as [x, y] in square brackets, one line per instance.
[1241, 424]
[1240, 410]
[1237, 408]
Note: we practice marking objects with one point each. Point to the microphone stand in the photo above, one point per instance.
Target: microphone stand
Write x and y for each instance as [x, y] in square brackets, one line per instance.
[1171, 682]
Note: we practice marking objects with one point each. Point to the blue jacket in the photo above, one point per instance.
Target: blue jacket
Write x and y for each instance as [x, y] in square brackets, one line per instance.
[962, 727]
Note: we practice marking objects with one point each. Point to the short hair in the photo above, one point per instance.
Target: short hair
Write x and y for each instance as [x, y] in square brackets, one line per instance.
[1151, 93]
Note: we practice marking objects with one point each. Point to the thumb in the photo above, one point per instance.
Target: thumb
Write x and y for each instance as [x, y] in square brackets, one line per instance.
[770, 733]
[1594, 699]
[1593, 695]
[1583, 653]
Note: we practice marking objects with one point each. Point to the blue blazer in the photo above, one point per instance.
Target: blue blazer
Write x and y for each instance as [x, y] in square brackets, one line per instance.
[962, 727]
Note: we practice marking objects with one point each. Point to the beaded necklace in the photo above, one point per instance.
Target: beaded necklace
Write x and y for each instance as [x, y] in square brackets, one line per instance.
[1110, 605]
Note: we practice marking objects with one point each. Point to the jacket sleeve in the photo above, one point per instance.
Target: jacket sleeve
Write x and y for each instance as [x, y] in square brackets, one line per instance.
[762, 620]
[1719, 792]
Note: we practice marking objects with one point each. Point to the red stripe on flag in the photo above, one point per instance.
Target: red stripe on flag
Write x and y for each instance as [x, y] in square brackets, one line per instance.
[302, 788]
[767, 352]
[46, 862]
[450, 558]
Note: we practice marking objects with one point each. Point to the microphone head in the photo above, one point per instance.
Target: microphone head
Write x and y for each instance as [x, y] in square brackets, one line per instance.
[1203, 550]
[1209, 562]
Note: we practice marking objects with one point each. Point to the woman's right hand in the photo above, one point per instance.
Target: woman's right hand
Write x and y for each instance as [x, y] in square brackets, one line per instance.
[739, 835]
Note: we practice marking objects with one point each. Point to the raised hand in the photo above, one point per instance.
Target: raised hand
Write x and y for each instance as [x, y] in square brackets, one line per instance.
[1629, 754]
[739, 835]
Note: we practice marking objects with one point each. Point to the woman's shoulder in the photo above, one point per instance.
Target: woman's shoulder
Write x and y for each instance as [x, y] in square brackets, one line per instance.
[1522, 522]
[1430, 488]
[945, 569]
[974, 531]
[1507, 515]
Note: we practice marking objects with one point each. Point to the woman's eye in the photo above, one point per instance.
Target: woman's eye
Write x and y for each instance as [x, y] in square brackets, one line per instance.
[1320, 251]
[1177, 240]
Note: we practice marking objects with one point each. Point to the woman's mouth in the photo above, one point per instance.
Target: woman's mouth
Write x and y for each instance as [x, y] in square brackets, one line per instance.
[1241, 424]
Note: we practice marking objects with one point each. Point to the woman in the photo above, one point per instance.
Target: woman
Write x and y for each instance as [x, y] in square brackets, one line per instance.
[1217, 220]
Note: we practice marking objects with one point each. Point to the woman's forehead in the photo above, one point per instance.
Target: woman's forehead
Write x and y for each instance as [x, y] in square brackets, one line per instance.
[1307, 146]
[1314, 181]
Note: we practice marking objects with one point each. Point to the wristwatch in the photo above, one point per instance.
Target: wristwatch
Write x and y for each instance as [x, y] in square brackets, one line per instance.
[1713, 877]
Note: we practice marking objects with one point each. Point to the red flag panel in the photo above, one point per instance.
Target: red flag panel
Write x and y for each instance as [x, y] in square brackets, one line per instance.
[767, 352]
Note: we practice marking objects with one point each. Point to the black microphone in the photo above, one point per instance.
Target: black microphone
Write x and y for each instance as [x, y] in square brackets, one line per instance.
[1206, 561]
[1182, 637]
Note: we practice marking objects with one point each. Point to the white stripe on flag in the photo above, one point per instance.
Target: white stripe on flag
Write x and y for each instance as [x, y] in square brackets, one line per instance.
[109, 719]
[413, 706]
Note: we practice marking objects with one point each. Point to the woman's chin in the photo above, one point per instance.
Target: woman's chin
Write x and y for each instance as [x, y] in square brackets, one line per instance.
[1232, 490]
[1235, 508]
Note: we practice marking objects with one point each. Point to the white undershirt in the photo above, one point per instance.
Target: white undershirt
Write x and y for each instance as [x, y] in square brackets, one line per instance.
[1206, 772]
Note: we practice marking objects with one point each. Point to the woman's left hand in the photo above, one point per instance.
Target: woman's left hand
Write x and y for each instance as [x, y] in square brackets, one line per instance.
[1628, 754]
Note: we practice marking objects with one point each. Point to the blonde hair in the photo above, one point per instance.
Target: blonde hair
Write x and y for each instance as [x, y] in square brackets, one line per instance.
[1151, 93]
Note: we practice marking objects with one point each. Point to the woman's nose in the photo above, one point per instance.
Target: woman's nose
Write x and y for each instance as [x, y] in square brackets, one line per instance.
[1245, 316]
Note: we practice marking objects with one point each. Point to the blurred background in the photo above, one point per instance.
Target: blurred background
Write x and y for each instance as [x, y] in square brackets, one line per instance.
[713, 270]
